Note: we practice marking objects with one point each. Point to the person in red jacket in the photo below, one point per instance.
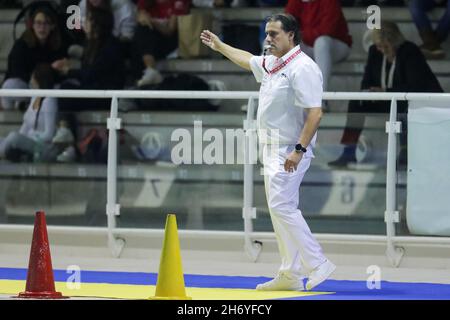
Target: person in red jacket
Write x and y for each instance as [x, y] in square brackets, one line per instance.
[324, 31]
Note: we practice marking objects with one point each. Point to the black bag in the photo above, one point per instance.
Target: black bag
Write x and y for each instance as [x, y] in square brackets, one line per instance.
[18, 155]
[182, 82]
[242, 36]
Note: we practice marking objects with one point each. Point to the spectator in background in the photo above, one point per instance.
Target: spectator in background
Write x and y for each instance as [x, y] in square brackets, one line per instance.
[324, 32]
[393, 65]
[41, 42]
[432, 38]
[102, 65]
[124, 12]
[39, 122]
[155, 37]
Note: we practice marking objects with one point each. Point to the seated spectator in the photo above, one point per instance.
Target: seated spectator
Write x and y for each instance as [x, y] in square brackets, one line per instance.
[39, 122]
[393, 65]
[432, 38]
[102, 66]
[155, 36]
[325, 36]
[124, 12]
[40, 43]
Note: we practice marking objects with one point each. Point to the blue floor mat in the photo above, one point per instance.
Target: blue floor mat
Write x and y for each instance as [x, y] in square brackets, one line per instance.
[344, 290]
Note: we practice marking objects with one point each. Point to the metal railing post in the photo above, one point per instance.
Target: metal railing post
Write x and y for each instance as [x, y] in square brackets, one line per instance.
[252, 248]
[391, 216]
[112, 207]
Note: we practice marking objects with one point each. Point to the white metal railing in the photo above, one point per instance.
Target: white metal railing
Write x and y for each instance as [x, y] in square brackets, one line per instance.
[252, 248]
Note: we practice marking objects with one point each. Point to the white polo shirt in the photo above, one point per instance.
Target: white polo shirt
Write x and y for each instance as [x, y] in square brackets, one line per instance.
[284, 95]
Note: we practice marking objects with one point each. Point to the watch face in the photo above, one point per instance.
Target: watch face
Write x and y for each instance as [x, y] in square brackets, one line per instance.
[299, 147]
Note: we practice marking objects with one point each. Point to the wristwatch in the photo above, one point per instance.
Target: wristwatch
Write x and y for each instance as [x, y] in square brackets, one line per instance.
[299, 148]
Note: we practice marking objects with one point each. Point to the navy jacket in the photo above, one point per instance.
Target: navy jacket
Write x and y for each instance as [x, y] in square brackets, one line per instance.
[412, 72]
[22, 59]
[107, 71]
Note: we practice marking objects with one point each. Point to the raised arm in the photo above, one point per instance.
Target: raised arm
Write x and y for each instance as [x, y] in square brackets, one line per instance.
[237, 56]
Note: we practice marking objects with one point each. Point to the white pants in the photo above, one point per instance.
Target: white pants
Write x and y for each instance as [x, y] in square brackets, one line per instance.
[326, 51]
[8, 103]
[299, 250]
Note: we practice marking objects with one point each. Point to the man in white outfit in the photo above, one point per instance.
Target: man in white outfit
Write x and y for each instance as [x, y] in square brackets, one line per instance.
[289, 114]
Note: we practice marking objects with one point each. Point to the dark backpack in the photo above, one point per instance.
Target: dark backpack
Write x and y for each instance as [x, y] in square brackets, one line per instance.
[18, 155]
[92, 147]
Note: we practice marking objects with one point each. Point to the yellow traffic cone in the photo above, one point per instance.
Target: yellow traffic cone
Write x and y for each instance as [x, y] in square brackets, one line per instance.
[170, 284]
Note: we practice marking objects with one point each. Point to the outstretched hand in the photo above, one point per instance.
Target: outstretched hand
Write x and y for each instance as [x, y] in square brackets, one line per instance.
[210, 39]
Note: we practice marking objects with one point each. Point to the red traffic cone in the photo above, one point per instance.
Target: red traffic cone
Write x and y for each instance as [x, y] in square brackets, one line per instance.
[40, 282]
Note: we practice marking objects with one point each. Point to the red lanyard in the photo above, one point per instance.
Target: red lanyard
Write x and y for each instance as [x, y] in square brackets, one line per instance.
[281, 66]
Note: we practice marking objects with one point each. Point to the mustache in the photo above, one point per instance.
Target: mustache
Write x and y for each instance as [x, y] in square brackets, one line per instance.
[267, 47]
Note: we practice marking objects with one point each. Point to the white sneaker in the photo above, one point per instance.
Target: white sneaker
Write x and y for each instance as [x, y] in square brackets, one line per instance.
[320, 274]
[150, 76]
[68, 155]
[282, 282]
[63, 135]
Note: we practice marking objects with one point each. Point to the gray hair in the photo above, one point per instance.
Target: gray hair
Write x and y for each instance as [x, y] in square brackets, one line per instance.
[390, 33]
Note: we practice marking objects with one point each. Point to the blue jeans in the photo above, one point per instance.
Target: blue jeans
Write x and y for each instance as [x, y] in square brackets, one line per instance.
[419, 8]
